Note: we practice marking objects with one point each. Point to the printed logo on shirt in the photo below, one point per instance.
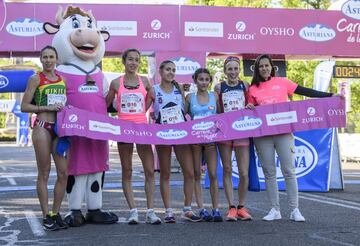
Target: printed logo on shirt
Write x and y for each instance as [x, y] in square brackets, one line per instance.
[88, 88]
[281, 118]
[171, 134]
[306, 158]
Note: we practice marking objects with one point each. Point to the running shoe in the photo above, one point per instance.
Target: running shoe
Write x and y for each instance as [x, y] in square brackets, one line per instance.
[243, 214]
[205, 216]
[216, 215]
[190, 216]
[231, 214]
[169, 218]
[297, 216]
[151, 217]
[134, 217]
[59, 221]
[49, 224]
[273, 214]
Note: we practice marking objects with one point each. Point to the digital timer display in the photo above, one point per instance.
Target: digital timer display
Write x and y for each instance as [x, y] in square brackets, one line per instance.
[346, 72]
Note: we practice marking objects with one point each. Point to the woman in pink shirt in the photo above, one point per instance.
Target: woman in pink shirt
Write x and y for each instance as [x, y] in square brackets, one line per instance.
[267, 89]
[130, 92]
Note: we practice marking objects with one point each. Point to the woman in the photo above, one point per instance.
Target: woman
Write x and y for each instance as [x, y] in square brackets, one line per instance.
[267, 89]
[49, 91]
[199, 105]
[130, 92]
[168, 105]
[232, 96]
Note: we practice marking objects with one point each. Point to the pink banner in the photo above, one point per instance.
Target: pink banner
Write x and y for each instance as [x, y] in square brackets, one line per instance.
[264, 120]
[194, 28]
[186, 64]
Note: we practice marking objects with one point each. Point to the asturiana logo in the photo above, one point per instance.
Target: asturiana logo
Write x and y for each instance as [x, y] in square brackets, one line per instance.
[185, 66]
[172, 134]
[25, 27]
[351, 9]
[203, 125]
[247, 123]
[3, 81]
[306, 158]
[317, 33]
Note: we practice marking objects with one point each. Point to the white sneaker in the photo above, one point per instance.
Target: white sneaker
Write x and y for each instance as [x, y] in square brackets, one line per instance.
[151, 217]
[134, 217]
[273, 215]
[297, 216]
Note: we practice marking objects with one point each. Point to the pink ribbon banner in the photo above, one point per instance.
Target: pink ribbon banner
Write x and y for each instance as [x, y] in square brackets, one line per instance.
[264, 120]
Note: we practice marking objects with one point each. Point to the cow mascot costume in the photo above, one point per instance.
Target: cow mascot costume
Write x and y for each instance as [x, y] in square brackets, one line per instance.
[81, 47]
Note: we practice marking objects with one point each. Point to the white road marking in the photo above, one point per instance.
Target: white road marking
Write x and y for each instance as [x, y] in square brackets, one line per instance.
[11, 236]
[34, 223]
[329, 201]
[12, 181]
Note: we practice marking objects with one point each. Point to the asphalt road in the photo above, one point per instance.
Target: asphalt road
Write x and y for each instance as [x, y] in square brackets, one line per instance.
[332, 218]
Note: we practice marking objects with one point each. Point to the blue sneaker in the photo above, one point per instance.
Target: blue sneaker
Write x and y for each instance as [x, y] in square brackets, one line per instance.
[216, 215]
[190, 216]
[205, 216]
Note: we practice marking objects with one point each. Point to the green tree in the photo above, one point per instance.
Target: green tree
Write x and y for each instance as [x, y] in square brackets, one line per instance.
[233, 3]
[114, 64]
[305, 4]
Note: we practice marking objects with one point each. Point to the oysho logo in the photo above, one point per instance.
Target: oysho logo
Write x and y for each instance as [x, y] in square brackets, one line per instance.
[185, 66]
[317, 33]
[351, 9]
[277, 31]
[172, 134]
[203, 125]
[336, 112]
[240, 27]
[73, 118]
[204, 29]
[247, 123]
[306, 158]
[156, 25]
[25, 27]
[311, 111]
[3, 81]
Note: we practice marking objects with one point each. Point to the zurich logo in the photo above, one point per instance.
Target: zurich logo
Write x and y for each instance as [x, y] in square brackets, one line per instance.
[306, 158]
[73, 118]
[185, 66]
[172, 134]
[3, 81]
[246, 123]
[25, 27]
[317, 33]
[203, 125]
[351, 9]
[155, 24]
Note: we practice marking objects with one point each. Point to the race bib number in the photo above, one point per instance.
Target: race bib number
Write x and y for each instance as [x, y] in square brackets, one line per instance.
[233, 100]
[132, 103]
[171, 115]
[56, 98]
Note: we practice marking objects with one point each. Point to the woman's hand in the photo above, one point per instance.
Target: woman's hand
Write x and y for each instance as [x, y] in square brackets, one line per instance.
[55, 107]
[250, 106]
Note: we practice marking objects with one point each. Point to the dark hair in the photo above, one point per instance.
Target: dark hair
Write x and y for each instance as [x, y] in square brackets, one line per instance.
[49, 47]
[256, 75]
[162, 64]
[199, 71]
[126, 53]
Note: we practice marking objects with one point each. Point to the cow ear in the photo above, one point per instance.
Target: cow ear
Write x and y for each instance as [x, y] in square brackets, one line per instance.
[50, 28]
[106, 35]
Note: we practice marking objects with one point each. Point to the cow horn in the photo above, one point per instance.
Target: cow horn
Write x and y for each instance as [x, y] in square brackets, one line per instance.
[59, 16]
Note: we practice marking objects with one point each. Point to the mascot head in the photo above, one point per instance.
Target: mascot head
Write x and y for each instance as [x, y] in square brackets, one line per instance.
[76, 36]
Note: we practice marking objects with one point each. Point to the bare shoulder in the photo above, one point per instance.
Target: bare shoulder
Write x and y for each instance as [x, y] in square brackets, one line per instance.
[146, 82]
